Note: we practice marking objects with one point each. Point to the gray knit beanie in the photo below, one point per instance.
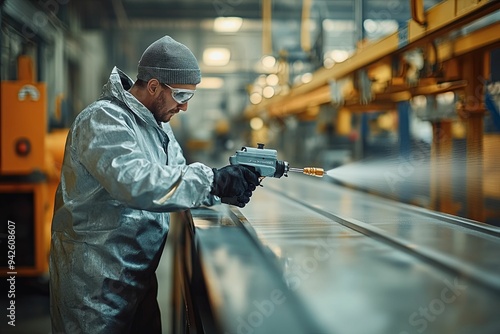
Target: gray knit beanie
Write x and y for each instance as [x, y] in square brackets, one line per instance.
[169, 62]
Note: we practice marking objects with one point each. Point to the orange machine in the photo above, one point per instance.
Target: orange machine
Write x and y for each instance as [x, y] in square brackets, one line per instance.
[28, 172]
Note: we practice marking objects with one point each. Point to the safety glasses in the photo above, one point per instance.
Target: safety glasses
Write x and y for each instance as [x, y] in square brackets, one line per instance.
[180, 95]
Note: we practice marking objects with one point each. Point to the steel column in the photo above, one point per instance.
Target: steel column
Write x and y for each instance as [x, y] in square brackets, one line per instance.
[404, 129]
[441, 164]
[472, 112]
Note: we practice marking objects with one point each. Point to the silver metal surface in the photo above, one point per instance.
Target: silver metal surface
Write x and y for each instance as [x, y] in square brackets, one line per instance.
[225, 283]
[362, 264]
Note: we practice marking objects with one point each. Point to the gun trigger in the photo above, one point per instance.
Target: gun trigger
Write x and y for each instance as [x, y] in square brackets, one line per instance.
[260, 181]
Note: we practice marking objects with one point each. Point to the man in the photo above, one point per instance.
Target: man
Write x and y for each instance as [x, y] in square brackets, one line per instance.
[123, 172]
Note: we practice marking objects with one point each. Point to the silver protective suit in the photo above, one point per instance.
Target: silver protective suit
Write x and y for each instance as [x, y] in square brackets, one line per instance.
[122, 174]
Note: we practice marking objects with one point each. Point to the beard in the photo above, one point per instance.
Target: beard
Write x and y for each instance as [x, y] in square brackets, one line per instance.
[157, 107]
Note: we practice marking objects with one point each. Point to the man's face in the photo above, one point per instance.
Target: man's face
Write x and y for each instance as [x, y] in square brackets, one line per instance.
[164, 106]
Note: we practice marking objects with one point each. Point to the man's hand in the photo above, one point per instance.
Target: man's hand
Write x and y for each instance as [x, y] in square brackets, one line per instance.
[234, 184]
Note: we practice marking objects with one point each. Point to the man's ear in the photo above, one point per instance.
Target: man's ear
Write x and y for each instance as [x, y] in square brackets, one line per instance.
[153, 87]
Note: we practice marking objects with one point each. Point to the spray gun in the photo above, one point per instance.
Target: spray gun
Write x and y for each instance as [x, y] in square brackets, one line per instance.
[265, 162]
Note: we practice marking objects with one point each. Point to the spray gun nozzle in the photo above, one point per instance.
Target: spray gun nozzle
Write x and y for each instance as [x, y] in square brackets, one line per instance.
[314, 171]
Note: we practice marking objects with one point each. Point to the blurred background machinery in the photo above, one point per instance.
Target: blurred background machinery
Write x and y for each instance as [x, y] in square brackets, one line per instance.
[30, 161]
[421, 98]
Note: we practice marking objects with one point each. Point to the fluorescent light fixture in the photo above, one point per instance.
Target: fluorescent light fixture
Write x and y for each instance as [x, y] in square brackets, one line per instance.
[216, 56]
[210, 83]
[227, 24]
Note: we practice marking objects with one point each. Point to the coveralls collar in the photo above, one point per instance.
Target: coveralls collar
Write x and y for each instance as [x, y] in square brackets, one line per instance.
[117, 87]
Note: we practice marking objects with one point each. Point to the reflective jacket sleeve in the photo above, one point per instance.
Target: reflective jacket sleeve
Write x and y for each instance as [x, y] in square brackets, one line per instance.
[176, 157]
[105, 143]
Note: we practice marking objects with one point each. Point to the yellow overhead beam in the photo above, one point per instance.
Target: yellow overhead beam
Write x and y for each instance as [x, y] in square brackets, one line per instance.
[297, 104]
[484, 37]
[447, 16]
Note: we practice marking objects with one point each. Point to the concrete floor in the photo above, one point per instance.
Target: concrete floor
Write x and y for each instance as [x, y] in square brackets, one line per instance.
[32, 302]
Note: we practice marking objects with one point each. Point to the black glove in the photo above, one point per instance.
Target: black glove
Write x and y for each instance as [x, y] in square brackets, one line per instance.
[234, 184]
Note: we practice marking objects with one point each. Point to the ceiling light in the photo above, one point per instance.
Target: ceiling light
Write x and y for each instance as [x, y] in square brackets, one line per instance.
[255, 98]
[256, 123]
[261, 80]
[419, 101]
[306, 77]
[272, 79]
[268, 92]
[227, 24]
[216, 56]
[268, 61]
[370, 26]
[445, 98]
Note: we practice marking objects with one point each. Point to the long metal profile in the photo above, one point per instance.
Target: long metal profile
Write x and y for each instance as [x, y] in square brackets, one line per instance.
[436, 258]
[349, 255]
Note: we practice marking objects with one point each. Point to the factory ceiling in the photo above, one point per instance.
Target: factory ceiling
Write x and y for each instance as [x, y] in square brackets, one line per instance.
[286, 17]
[95, 12]
[197, 9]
